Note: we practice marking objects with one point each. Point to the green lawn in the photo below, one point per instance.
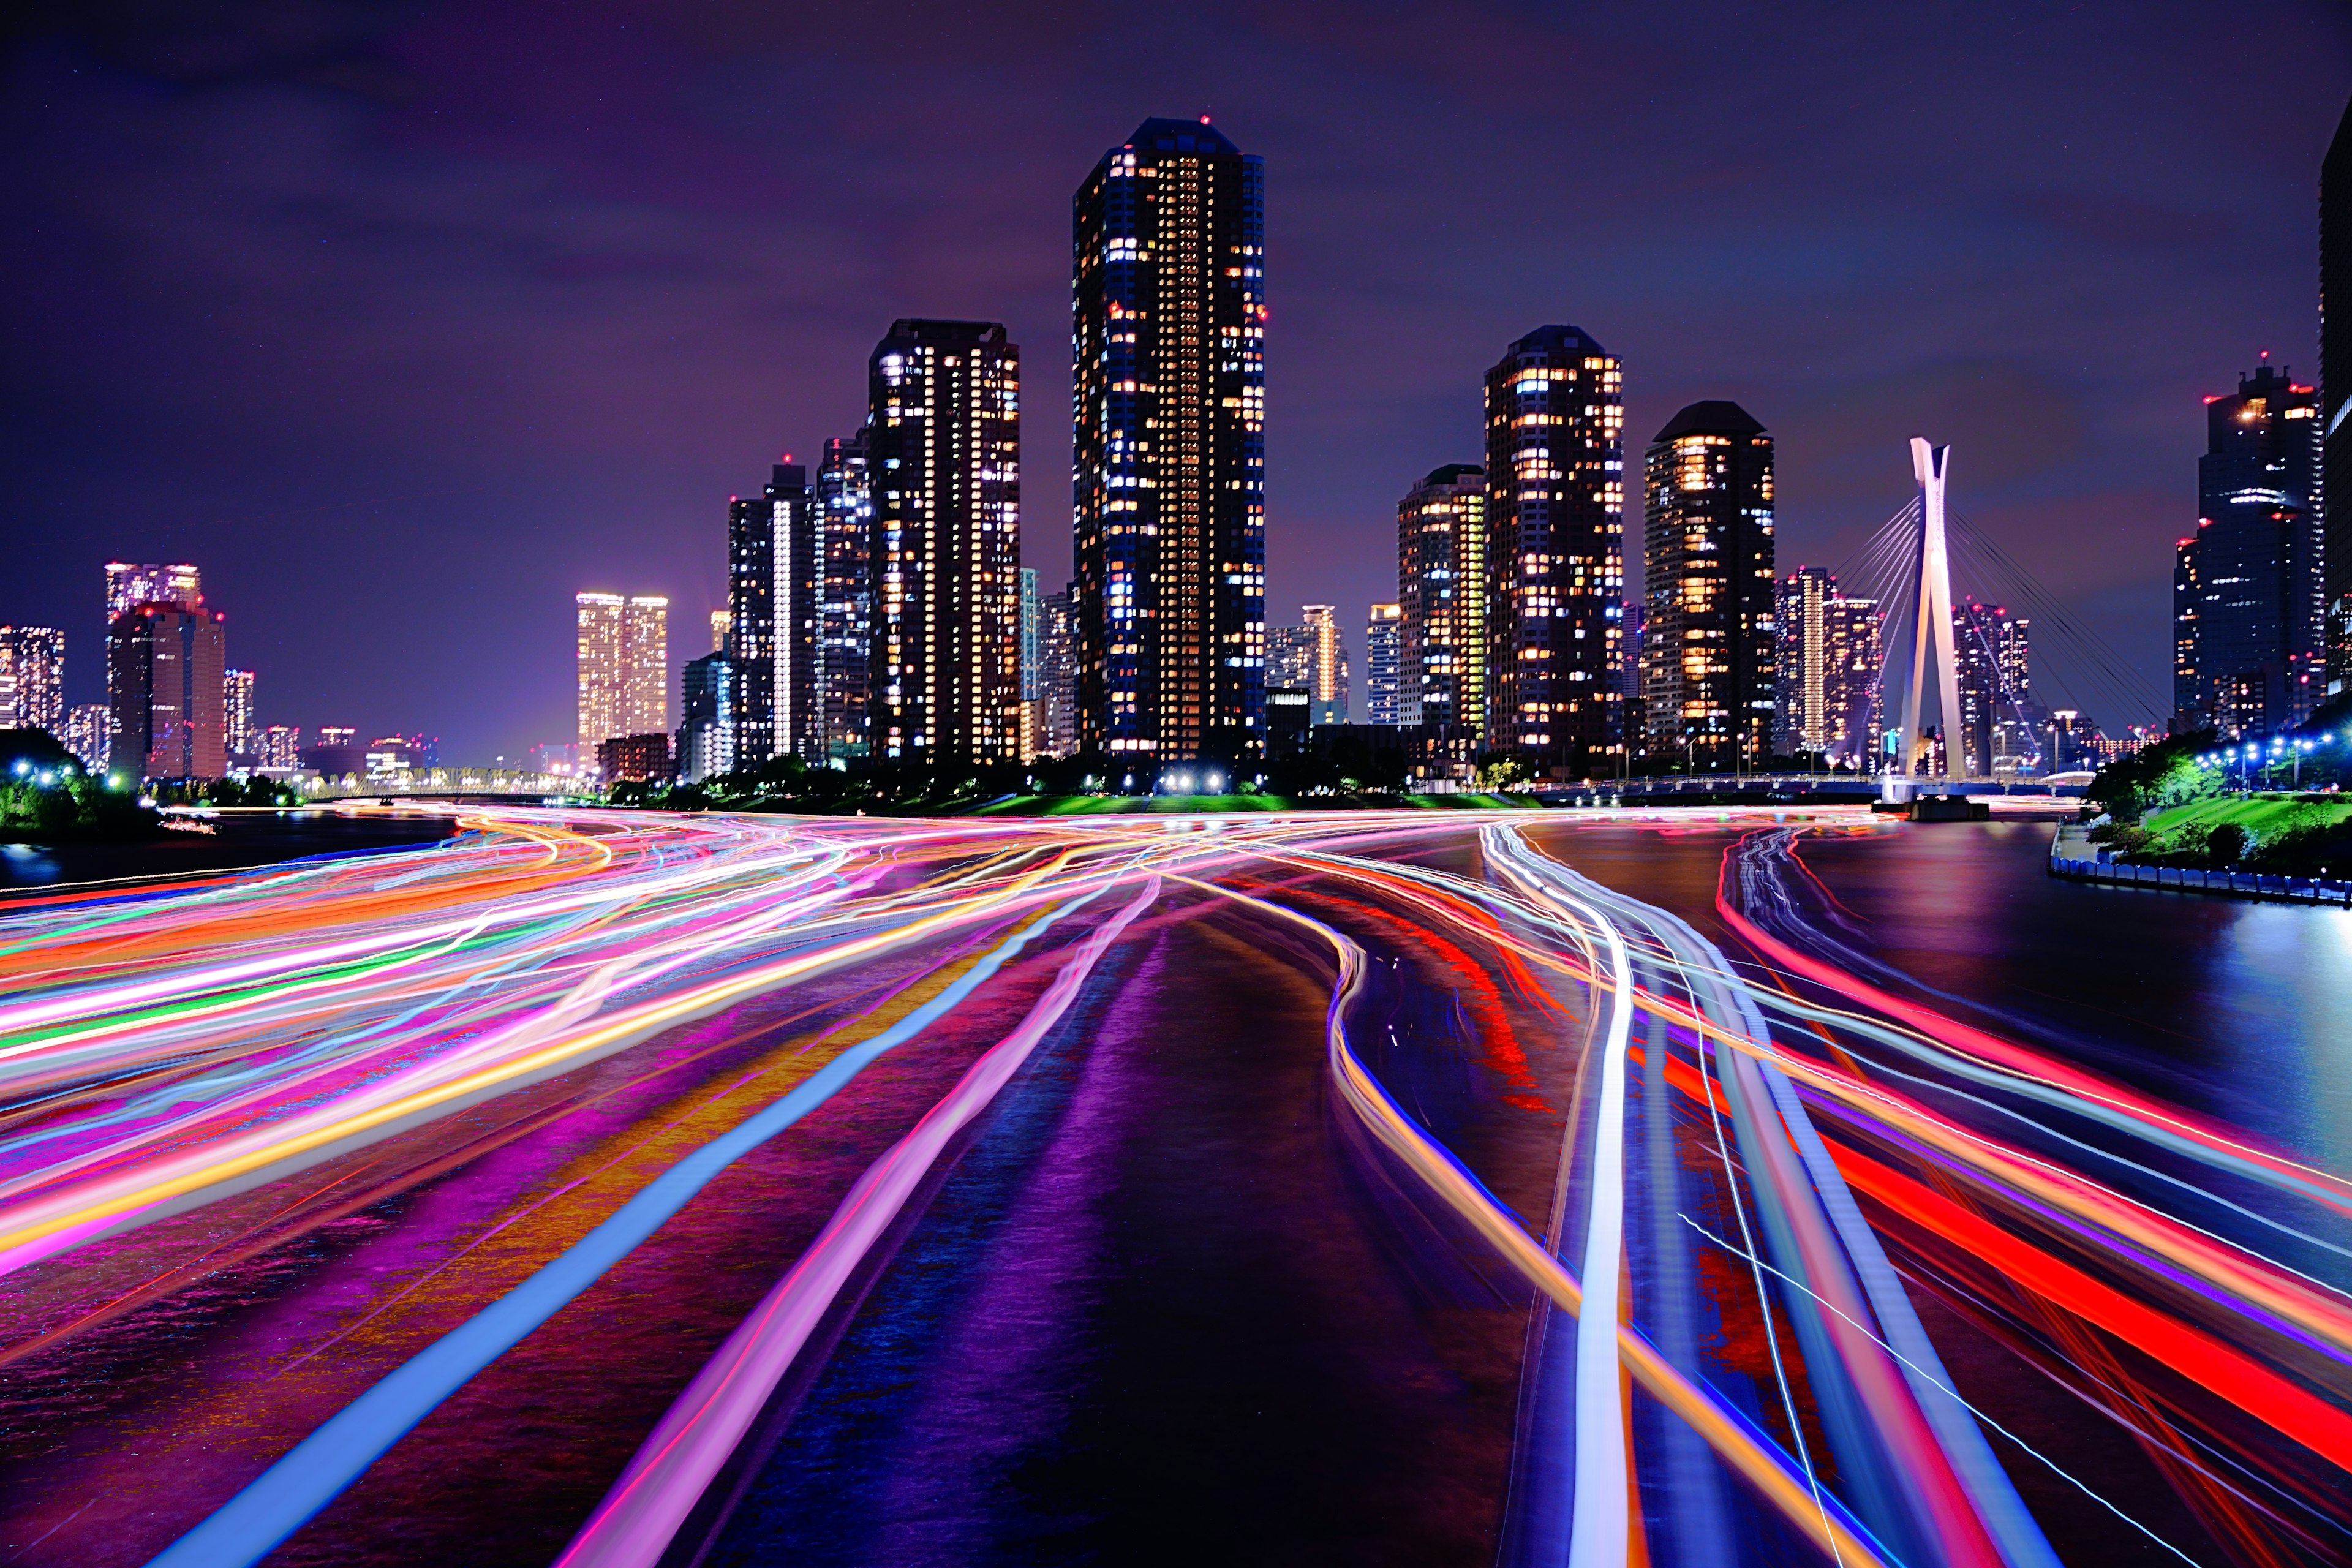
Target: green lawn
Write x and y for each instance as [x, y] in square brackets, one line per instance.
[2262, 815]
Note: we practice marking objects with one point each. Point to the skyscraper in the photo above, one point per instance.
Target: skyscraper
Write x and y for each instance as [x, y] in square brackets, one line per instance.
[1992, 653]
[164, 665]
[32, 677]
[2247, 587]
[280, 746]
[1169, 455]
[623, 663]
[1290, 659]
[1384, 664]
[128, 587]
[708, 722]
[1442, 595]
[1032, 615]
[1058, 674]
[943, 449]
[87, 734]
[1555, 555]
[845, 601]
[1826, 671]
[1327, 674]
[1706, 629]
[237, 711]
[2336, 383]
[771, 614]
[720, 621]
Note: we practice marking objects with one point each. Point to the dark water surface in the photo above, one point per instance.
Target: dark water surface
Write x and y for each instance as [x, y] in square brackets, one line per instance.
[235, 842]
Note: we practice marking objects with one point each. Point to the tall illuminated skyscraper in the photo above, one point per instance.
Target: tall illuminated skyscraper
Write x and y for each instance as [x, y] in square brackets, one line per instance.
[624, 665]
[237, 711]
[2335, 384]
[720, 621]
[1169, 454]
[1442, 595]
[1327, 683]
[88, 734]
[1826, 674]
[1707, 630]
[1992, 655]
[772, 569]
[1554, 562]
[1383, 660]
[164, 665]
[32, 677]
[943, 454]
[844, 505]
[128, 587]
[2248, 590]
[1058, 674]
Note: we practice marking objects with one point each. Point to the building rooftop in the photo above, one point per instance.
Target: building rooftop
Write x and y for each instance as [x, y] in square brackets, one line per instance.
[1715, 416]
[1180, 136]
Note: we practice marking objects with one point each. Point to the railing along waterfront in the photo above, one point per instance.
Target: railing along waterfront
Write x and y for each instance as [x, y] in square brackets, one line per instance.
[2073, 856]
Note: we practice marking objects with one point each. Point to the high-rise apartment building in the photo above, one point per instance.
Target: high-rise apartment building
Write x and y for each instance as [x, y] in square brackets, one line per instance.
[720, 621]
[2248, 589]
[1442, 595]
[845, 598]
[1327, 681]
[236, 711]
[943, 454]
[707, 721]
[1032, 615]
[280, 746]
[2335, 384]
[1290, 659]
[772, 568]
[164, 674]
[128, 585]
[1168, 459]
[1555, 555]
[1058, 674]
[1384, 664]
[32, 677]
[1993, 654]
[623, 647]
[87, 734]
[1826, 671]
[1707, 589]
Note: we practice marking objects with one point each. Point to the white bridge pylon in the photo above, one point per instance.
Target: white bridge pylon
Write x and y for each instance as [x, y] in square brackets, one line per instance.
[1932, 620]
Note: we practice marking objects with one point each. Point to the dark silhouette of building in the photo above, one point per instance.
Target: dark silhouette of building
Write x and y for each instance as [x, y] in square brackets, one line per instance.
[1168, 461]
[1707, 589]
[2247, 587]
[846, 603]
[2335, 383]
[1555, 558]
[635, 759]
[1442, 595]
[163, 675]
[708, 722]
[943, 448]
[771, 629]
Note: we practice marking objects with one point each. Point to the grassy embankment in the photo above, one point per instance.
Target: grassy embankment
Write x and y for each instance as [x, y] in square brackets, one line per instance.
[2262, 815]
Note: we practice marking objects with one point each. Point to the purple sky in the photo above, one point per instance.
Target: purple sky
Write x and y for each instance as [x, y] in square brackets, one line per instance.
[405, 324]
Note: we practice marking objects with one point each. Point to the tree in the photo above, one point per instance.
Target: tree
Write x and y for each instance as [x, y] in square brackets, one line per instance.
[2165, 774]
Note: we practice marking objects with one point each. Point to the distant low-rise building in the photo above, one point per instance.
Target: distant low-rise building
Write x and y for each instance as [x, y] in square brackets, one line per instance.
[636, 759]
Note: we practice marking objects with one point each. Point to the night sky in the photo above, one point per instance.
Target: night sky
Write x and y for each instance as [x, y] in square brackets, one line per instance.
[405, 324]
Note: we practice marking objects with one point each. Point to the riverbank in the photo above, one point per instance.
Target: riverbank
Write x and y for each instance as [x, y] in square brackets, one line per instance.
[236, 842]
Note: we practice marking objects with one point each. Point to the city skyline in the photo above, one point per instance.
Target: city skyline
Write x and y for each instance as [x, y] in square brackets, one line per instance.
[2069, 414]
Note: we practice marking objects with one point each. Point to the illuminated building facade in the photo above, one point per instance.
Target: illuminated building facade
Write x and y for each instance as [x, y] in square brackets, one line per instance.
[707, 721]
[1384, 664]
[237, 711]
[281, 747]
[943, 450]
[1326, 680]
[2248, 589]
[163, 675]
[1992, 652]
[1058, 674]
[1707, 587]
[773, 569]
[1826, 656]
[720, 621]
[1442, 597]
[128, 585]
[1555, 561]
[87, 734]
[32, 677]
[623, 666]
[1169, 458]
[1290, 659]
[634, 759]
[845, 506]
[2336, 383]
